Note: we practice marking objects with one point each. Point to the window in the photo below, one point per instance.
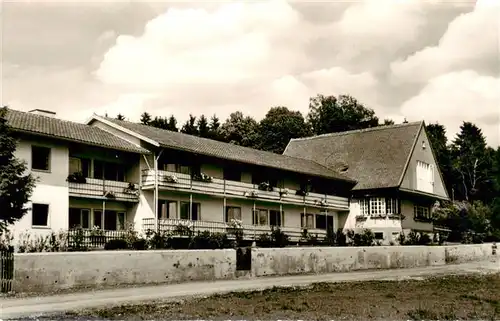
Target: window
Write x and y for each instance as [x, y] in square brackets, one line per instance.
[392, 206]
[377, 206]
[425, 177]
[167, 209]
[321, 221]
[364, 206]
[40, 158]
[232, 174]
[421, 212]
[79, 165]
[260, 217]
[79, 217]
[233, 212]
[109, 171]
[307, 220]
[40, 214]
[379, 235]
[276, 218]
[114, 220]
[190, 212]
[97, 219]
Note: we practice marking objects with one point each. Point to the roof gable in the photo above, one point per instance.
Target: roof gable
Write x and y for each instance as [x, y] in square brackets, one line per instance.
[209, 147]
[375, 157]
[36, 124]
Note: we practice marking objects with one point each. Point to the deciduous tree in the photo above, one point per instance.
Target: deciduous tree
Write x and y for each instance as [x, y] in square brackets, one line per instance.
[279, 126]
[16, 186]
[329, 114]
[240, 130]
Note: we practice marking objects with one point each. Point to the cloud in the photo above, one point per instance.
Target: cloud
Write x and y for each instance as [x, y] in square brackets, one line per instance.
[217, 57]
[459, 96]
[471, 41]
[237, 42]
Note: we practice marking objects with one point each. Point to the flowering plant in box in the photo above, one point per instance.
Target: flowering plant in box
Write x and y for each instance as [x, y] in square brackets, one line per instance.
[170, 179]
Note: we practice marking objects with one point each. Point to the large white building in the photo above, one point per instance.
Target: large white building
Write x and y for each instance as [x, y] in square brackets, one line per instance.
[107, 173]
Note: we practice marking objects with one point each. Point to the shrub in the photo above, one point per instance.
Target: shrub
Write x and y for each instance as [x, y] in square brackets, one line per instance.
[140, 244]
[278, 237]
[157, 240]
[414, 238]
[365, 238]
[340, 238]
[331, 237]
[335, 239]
[202, 240]
[264, 240]
[116, 244]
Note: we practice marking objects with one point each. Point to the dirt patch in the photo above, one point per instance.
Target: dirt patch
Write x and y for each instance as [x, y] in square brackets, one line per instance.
[453, 297]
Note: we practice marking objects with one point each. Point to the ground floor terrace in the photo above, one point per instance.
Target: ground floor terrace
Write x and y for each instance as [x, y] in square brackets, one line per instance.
[216, 215]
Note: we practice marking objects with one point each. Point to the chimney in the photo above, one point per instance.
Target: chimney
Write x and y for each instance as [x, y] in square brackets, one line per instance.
[42, 112]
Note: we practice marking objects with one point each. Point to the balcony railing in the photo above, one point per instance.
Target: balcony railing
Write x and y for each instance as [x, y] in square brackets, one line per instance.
[221, 187]
[104, 189]
[250, 232]
[90, 239]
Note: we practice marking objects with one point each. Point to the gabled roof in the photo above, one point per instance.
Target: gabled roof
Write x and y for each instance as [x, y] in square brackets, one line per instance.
[213, 148]
[374, 157]
[36, 124]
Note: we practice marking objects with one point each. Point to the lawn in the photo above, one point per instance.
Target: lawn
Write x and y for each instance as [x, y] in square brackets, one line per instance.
[444, 298]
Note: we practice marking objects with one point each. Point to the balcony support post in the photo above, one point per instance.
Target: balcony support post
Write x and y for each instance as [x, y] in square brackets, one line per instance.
[224, 203]
[155, 195]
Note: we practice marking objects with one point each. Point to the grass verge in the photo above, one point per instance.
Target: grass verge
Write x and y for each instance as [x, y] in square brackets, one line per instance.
[438, 298]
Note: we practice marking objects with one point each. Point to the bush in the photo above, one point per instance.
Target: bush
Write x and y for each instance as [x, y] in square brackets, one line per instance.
[54, 242]
[414, 238]
[157, 240]
[335, 239]
[116, 244]
[264, 240]
[278, 237]
[365, 238]
[140, 244]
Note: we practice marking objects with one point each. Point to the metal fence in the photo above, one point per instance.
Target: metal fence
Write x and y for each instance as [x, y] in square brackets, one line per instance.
[6, 270]
[79, 239]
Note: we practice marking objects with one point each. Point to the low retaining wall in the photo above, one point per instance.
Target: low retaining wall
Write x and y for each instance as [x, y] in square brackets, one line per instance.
[43, 272]
[302, 260]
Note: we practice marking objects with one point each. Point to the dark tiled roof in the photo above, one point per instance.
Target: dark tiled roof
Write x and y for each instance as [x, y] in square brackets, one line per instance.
[70, 131]
[209, 147]
[374, 157]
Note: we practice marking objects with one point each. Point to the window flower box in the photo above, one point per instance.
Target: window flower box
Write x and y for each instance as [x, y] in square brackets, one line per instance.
[109, 194]
[422, 219]
[379, 216]
[265, 186]
[301, 192]
[170, 179]
[131, 189]
[361, 218]
[77, 177]
[201, 177]
[396, 217]
[284, 192]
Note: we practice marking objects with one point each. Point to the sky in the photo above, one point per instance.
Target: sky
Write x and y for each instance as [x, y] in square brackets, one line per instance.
[437, 61]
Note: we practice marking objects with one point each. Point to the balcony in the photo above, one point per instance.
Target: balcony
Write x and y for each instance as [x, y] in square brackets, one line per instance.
[104, 190]
[250, 232]
[233, 189]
